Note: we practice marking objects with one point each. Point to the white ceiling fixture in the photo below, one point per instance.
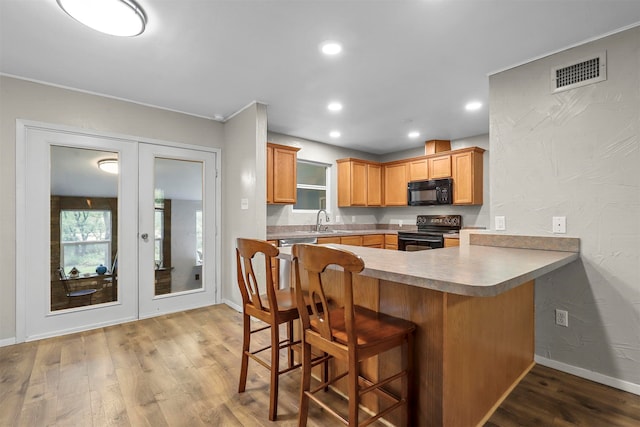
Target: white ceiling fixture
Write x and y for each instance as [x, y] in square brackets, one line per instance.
[114, 17]
[414, 134]
[334, 134]
[473, 106]
[108, 165]
[334, 106]
[331, 47]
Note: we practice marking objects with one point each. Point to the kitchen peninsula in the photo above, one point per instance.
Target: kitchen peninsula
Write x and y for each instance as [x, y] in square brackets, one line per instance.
[474, 310]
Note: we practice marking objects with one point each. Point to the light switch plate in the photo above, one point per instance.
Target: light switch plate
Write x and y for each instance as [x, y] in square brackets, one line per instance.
[501, 223]
[244, 204]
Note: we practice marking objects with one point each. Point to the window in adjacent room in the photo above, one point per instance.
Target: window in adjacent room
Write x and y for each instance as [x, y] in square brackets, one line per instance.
[313, 185]
[159, 237]
[198, 237]
[85, 239]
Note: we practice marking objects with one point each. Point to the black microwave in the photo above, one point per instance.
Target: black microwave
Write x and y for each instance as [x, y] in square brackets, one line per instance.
[430, 192]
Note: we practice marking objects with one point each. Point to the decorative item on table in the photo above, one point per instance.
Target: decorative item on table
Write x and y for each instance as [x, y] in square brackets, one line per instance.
[101, 269]
[74, 272]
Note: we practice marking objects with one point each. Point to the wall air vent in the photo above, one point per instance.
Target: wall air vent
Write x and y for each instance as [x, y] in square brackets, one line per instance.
[582, 73]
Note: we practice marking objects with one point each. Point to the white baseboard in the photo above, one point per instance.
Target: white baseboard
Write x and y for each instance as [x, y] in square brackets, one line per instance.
[7, 341]
[589, 375]
[233, 305]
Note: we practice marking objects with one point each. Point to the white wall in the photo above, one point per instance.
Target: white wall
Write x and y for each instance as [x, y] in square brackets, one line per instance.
[21, 99]
[183, 245]
[244, 171]
[577, 154]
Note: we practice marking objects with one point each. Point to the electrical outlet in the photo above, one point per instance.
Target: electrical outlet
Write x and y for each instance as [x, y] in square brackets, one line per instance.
[353, 219]
[559, 224]
[501, 223]
[338, 218]
[399, 223]
[562, 317]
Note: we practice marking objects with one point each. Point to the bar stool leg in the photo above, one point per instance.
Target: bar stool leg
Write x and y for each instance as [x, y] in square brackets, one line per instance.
[275, 371]
[305, 385]
[246, 340]
[354, 398]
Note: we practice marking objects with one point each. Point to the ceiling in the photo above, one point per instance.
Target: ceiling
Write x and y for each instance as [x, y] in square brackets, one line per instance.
[405, 65]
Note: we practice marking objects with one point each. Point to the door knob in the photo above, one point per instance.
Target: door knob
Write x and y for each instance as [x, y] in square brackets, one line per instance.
[145, 236]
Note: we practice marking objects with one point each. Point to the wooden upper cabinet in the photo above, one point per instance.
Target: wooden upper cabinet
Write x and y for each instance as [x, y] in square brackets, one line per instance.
[374, 184]
[396, 177]
[359, 183]
[281, 174]
[467, 171]
[439, 166]
[418, 169]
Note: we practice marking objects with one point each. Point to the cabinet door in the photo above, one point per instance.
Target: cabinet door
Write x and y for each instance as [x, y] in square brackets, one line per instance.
[391, 241]
[395, 184]
[284, 176]
[323, 240]
[373, 240]
[467, 178]
[358, 184]
[374, 185]
[351, 240]
[439, 167]
[449, 242]
[269, 174]
[418, 170]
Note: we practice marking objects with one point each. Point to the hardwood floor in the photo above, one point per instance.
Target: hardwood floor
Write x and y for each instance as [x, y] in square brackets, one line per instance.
[182, 370]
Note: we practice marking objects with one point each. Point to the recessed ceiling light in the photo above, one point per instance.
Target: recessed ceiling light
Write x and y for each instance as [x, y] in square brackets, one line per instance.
[334, 134]
[331, 48]
[414, 134]
[114, 17]
[108, 165]
[334, 106]
[473, 106]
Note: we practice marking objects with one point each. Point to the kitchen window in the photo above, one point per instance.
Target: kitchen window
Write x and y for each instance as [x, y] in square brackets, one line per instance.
[313, 186]
[85, 239]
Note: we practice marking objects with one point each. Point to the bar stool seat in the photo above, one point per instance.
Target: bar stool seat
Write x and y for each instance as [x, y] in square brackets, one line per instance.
[350, 333]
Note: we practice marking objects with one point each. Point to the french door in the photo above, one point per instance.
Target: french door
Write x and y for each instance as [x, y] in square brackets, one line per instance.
[96, 248]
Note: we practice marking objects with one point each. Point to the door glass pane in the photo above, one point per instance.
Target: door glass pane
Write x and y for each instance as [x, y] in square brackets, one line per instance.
[178, 225]
[84, 217]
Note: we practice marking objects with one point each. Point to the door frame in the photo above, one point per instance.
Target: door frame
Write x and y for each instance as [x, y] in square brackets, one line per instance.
[21, 246]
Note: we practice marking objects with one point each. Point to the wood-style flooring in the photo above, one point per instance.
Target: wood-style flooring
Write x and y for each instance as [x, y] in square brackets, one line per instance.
[182, 370]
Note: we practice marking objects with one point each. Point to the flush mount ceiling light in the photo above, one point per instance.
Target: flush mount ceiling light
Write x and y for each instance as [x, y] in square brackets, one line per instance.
[114, 17]
[108, 165]
[334, 134]
[414, 134]
[473, 106]
[334, 106]
[331, 48]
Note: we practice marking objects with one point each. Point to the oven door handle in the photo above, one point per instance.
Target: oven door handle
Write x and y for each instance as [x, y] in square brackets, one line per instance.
[418, 239]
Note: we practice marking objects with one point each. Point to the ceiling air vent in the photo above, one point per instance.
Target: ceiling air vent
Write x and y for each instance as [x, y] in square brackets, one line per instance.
[578, 74]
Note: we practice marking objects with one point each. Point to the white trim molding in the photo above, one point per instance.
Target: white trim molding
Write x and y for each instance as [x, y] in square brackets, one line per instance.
[589, 375]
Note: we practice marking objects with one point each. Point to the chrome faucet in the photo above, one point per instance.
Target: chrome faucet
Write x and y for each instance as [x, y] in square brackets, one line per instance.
[319, 220]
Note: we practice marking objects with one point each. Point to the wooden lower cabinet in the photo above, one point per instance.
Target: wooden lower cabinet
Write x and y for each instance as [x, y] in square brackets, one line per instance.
[351, 240]
[449, 242]
[324, 240]
[373, 240]
[391, 241]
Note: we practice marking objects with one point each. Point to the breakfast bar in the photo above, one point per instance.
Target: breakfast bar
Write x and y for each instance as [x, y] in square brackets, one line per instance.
[474, 310]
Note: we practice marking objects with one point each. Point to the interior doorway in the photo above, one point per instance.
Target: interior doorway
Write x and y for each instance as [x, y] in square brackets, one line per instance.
[104, 246]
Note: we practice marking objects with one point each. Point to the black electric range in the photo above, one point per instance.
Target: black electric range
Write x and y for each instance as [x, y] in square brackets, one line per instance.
[431, 232]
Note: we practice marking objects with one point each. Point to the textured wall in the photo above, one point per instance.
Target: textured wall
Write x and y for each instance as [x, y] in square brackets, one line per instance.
[576, 154]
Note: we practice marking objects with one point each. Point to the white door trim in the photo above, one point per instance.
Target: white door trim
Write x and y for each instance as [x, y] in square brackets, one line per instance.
[22, 266]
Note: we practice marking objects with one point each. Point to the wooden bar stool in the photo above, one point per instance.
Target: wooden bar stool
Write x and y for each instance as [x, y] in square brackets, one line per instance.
[269, 304]
[350, 333]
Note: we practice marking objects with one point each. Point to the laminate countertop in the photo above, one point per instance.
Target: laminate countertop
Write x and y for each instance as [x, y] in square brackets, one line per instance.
[471, 270]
